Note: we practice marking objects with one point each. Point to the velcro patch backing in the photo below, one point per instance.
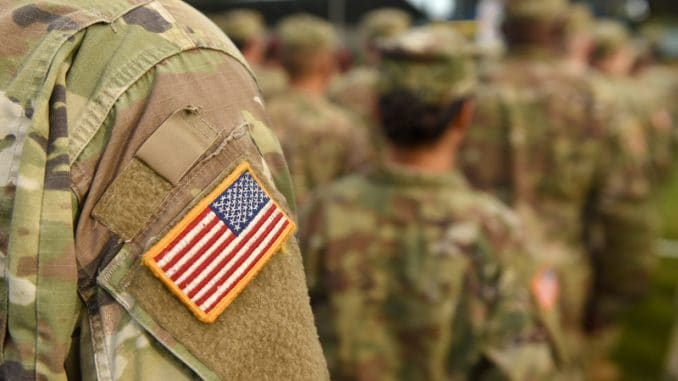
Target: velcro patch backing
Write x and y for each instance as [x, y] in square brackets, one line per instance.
[220, 245]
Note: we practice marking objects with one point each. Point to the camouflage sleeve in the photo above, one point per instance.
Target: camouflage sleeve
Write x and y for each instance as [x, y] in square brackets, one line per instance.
[486, 151]
[499, 307]
[622, 224]
[131, 202]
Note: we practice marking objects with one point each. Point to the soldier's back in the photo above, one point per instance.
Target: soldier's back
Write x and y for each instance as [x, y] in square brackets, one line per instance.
[401, 265]
[319, 139]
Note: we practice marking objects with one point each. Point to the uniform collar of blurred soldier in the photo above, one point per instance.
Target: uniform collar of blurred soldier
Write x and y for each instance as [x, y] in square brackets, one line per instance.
[440, 156]
[395, 174]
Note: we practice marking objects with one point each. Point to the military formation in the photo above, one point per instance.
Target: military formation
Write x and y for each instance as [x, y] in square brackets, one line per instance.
[174, 188]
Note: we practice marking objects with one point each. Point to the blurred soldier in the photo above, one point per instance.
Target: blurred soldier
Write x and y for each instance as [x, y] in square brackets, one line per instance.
[579, 40]
[318, 138]
[639, 112]
[543, 143]
[413, 275]
[247, 30]
[356, 90]
[132, 149]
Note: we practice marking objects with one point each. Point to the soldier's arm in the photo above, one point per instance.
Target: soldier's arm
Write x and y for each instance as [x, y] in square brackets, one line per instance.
[621, 226]
[513, 342]
[160, 268]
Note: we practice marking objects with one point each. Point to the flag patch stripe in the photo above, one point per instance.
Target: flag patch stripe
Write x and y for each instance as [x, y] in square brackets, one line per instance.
[218, 247]
[244, 269]
[244, 251]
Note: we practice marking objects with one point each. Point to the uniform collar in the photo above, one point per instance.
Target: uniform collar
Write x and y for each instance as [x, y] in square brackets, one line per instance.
[388, 173]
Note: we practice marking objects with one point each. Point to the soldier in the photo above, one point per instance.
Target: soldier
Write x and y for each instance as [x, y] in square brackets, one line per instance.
[247, 30]
[356, 90]
[319, 139]
[544, 143]
[579, 41]
[141, 194]
[413, 275]
[638, 107]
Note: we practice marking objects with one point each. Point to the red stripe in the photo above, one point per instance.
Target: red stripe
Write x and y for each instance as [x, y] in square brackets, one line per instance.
[266, 249]
[190, 227]
[201, 251]
[191, 244]
[224, 261]
[238, 263]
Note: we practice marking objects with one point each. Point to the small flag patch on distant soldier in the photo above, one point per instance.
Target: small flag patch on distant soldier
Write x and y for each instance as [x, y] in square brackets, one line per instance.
[546, 289]
[209, 257]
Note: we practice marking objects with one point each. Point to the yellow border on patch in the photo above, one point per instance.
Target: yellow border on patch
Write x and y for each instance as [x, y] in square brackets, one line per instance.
[226, 300]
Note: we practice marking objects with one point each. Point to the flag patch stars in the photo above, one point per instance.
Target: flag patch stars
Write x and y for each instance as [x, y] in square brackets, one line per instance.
[211, 255]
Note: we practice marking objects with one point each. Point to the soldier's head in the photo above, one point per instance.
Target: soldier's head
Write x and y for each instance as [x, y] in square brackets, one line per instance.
[612, 51]
[427, 82]
[380, 24]
[535, 23]
[247, 29]
[579, 33]
[308, 46]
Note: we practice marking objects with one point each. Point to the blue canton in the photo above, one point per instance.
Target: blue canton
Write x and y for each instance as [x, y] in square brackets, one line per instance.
[240, 203]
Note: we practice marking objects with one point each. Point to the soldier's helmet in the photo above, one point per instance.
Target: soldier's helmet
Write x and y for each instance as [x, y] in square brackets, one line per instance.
[528, 10]
[609, 37]
[432, 62]
[304, 34]
[384, 23]
[241, 25]
[580, 20]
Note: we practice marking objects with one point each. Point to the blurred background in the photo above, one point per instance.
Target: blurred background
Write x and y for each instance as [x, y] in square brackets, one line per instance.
[642, 351]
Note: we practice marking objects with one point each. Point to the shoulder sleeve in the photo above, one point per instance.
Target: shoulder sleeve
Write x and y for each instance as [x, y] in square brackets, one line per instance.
[514, 343]
[623, 222]
[184, 224]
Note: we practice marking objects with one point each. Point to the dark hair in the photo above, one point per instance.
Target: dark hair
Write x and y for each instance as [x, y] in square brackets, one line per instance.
[408, 122]
[529, 32]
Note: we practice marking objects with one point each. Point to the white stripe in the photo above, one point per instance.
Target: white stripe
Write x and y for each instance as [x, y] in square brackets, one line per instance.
[198, 246]
[181, 245]
[204, 256]
[236, 274]
[255, 238]
[227, 250]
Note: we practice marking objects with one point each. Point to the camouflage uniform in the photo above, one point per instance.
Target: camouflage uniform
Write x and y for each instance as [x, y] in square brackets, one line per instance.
[544, 143]
[117, 117]
[638, 109]
[246, 25]
[319, 139]
[356, 90]
[415, 276]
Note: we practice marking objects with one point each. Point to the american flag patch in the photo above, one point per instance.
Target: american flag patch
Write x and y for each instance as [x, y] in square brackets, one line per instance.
[546, 288]
[209, 257]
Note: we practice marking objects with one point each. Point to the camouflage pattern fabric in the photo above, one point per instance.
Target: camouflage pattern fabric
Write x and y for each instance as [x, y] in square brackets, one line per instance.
[383, 23]
[417, 277]
[272, 80]
[544, 143]
[83, 86]
[318, 139]
[241, 24]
